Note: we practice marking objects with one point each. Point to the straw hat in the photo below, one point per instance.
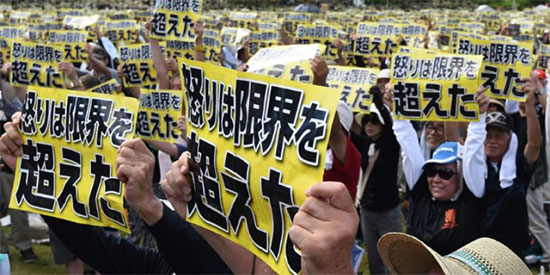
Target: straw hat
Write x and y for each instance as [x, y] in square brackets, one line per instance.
[405, 254]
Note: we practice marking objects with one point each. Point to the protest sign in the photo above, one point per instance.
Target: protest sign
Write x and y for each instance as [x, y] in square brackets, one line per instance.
[243, 19]
[109, 87]
[504, 65]
[286, 62]
[175, 49]
[543, 55]
[36, 64]
[237, 120]
[174, 19]
[158, 115]
[375, 46]
[212, 45]
[9, 34]
[261, 40]
[235, 37]
[354, 84]
[293, 19]
[87, 23]
[121, 31]
[61, 13]
[319, 34]
[435, 87]
[70, 142]
[137, 64]
[72, 42]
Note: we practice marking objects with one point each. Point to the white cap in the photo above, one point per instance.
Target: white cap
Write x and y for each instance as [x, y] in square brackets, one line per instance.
[385, 73]
[345, 114]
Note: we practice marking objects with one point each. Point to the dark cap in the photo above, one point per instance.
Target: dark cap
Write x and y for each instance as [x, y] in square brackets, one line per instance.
[500, 120]
[99, 52]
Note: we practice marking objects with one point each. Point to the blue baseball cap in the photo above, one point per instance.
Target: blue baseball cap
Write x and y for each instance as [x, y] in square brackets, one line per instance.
[445, 153]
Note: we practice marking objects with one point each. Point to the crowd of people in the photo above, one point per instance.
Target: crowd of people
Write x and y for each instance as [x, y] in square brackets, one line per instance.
[448, 183]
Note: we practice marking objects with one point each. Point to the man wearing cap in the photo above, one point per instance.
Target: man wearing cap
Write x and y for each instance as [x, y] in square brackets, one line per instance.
[510, 156]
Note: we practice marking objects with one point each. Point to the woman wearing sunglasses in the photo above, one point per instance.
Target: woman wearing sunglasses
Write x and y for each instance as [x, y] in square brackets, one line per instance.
[446, 210]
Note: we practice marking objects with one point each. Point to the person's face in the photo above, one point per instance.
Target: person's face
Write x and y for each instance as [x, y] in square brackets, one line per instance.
[496, 143]
[373, 127]
[381, 83]
[435, 134]
[442, 181]
[175, 84]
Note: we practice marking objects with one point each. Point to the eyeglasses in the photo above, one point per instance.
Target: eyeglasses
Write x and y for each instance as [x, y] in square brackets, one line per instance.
[438, 129]
[444, 173]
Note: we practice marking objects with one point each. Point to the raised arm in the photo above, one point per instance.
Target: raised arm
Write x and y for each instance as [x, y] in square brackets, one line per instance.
[534, 133]
[473, 162]
[158, 61]
[413, 159]
[199, 47]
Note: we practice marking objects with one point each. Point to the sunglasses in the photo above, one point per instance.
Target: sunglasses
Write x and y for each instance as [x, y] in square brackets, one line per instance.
[372, 119]
[444, 173]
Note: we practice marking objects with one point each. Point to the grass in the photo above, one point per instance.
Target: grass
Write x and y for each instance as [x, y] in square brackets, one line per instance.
[43, 265]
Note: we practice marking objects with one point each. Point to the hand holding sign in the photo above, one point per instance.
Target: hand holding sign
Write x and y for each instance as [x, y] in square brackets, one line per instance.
[177, 187]
[134, 166]
[11, 141]
[324, 249]
[482, 100]
[320, 71]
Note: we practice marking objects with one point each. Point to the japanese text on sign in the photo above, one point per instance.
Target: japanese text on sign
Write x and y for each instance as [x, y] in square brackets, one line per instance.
[70, 143]
[137, 65]
[174, 19]
[158, 115]
[435, 87]
[237, 119]
[504, 65]
[36, 64]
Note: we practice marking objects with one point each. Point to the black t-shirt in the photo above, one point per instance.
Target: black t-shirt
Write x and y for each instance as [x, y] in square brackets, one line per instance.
[381, 193]
[507, 218]
[445, 226]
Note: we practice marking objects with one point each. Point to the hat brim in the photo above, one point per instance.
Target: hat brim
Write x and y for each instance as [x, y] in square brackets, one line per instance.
[448, 160]
[405, 254]
[498, 125]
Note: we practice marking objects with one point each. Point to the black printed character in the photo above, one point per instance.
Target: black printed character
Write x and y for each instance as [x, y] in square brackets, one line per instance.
[131, 74]
[19, 72]
[101, 172]
[121, 126]
[490, 75]
[406, 98]
[71, 169]
[280, 197]
[236, 181]
[312, 130]
[193, 83]
[159, 24]
[37, 181]
[281, 114]
[433, 95]
[207, 197]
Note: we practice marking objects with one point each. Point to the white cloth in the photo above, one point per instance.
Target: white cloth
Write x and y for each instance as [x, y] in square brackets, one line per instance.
[329, 160]
[413, 157]
[474, 168]
[345, 115]
[511, 107]
[507, 172]
[426, 151]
